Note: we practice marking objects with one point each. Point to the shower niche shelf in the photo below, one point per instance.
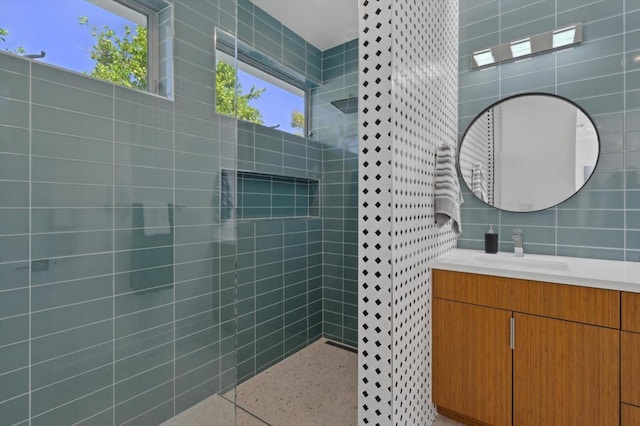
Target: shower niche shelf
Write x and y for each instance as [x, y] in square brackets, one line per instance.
[267, 196]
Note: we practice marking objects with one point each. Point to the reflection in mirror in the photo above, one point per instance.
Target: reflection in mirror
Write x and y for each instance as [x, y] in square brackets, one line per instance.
[528, 152]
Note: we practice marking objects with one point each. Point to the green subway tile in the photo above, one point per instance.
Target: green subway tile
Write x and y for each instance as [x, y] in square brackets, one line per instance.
[71, 147]
[70, 244]
[14, 330]
[14, 86]
[632, 256]
[14, 221]
[69, 341]
[569, 12]
[15, 410]
[14, 113]
[137, 113]
[72, 123]
[197, 358]
[197, 287]
[65, 293]
[14, 248]
[590, 238]
[70, 79]
[142, 259]
[196, 305]
[130, 387]
[143, 403]
[142, 300]
[197, 163]
[14, 140]
[143, 176]
[138, 345]
[633, 240]
[59, 96]
[192, 270]
[605, 180]
[14, 384]
[59, 319]
[77, 410]
[594, 200]
[593, 87]
[13, 357]
[70, 171]
[14, 302]
[66, 195]
[196, 334]
[145, 279]
[633, 179]
[143, 156]
[71, 389]
[590, 50]
[70, 268]
[136, 134]
[591, 219]
[143, 320]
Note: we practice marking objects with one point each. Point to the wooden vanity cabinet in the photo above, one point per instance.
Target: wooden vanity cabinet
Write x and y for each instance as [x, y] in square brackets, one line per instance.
[564, 368]
[472, 361]
[564, 373]
[630, 369]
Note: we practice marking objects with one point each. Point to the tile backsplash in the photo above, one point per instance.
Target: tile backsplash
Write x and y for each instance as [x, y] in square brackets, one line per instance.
[602, 74]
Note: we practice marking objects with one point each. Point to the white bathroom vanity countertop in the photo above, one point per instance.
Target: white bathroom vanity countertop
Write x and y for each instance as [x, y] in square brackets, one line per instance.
[608, 274]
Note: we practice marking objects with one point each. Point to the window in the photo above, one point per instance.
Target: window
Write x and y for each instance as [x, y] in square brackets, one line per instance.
[265, 96]
[127, 42]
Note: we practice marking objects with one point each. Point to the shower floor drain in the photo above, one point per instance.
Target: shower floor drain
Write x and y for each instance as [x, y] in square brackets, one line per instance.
[341, 346]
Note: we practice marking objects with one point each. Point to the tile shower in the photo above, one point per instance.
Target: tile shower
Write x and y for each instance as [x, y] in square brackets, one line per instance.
[120, 275]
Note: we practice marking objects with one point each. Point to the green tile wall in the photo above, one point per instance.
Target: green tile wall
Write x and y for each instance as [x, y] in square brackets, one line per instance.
[600, 75]
[338, 134]
[117, 274]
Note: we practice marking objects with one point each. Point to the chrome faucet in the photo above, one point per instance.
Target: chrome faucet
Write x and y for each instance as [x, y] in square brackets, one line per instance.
[518, 249]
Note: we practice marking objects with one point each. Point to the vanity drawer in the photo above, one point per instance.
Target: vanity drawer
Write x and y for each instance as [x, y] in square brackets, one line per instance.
[568, 302]
[630, 368]
[631, 312]
[630, 415]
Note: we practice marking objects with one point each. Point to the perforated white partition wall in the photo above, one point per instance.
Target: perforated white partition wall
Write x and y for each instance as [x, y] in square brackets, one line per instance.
[408, 107]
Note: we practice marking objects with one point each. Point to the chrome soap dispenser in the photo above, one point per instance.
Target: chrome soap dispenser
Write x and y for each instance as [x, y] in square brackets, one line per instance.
[490, 241]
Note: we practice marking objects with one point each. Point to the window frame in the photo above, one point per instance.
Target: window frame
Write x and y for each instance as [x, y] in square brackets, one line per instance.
[229, 45]
[153, 38]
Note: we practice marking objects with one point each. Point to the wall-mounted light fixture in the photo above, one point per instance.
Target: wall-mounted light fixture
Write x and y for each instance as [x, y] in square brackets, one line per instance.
[560, 38]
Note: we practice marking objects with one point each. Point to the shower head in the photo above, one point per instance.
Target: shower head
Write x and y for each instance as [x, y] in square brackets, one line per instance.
[347, 106]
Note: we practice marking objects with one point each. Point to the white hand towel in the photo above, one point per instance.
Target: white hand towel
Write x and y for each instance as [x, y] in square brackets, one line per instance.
[156, 219]
[479, 181]
[447, 190]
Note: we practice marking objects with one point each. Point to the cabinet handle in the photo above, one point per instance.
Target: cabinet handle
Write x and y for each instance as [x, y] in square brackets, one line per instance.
[512, 332]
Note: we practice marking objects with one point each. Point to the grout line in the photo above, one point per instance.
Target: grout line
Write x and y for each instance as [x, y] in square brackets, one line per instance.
[113, 256]
[30, 413]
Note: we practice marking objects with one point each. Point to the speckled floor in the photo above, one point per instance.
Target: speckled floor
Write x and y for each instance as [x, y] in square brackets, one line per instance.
[314, 387]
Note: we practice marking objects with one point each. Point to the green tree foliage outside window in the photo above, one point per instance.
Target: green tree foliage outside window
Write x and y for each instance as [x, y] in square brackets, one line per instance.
[227, 85]
[121, 60]
[3, 38]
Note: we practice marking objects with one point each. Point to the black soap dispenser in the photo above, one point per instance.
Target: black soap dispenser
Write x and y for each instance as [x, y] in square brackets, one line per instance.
[490, 241]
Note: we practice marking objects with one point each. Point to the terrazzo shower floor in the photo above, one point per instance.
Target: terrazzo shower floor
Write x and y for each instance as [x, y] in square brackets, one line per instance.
[317, 386]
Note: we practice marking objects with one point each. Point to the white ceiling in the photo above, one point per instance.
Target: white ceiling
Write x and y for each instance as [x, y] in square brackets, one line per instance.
[323, 23]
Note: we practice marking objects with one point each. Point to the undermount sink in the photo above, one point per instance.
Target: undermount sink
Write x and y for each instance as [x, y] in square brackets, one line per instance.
[520, 262]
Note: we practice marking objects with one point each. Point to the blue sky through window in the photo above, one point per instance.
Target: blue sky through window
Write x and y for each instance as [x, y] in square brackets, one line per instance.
[53, 26]
[275, 104]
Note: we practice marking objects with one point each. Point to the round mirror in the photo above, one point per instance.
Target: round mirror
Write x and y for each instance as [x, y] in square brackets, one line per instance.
[528, 152]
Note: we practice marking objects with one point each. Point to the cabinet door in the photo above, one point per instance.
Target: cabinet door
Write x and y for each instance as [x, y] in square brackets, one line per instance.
[472, 361]
[565, 373]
